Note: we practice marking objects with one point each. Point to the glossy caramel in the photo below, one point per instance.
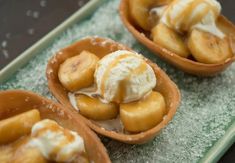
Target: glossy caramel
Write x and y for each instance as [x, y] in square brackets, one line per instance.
[184, 64]
[14, 102]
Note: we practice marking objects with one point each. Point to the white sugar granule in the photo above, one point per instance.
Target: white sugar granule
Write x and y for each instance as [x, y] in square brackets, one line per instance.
[8, 35]
[30, 31]
[35, 14]
[5, 53]
[43, 3]
[81, 3]
[28, 13]
[207, 106]
[4, 44]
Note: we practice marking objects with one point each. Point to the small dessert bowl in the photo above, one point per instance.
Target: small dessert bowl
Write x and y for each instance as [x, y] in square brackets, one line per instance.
[102, 47]
[185, 64]
[15, 102]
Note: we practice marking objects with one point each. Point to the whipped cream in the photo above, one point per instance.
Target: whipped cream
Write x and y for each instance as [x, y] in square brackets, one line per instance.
[56, 143]
[124, 76]
[185, 15]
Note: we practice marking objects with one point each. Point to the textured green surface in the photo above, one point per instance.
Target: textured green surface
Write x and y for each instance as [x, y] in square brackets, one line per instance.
[207, 108]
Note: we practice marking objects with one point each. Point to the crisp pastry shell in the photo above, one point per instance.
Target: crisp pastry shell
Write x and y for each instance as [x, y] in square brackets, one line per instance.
[13, 102]
[186, 65]
[102, 47]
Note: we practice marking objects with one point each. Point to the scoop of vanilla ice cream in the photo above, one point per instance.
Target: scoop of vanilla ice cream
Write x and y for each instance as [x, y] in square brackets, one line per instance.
[124, 76]
[184, 15]
[54, 142]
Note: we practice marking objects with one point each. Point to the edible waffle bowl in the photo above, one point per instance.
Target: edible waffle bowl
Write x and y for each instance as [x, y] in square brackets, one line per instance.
[14, 102]
[27, 72]
[187, 65]
[102, 47]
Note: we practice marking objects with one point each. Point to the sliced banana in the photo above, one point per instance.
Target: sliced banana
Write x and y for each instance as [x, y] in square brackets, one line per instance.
[207, 48]
[19, 152]
[78, 72]
[169, 39]
[6, 153]
[139, 10]
[143, 114]
[14, 127]
[94, 109]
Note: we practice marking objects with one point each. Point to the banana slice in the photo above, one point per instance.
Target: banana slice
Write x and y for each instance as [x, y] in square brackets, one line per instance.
[143, 114]
[18, 152]
[17, 126]
[6, 154]
[94, 109]
[78, 72]
[207, 48]
[169, 39]
[140, 11]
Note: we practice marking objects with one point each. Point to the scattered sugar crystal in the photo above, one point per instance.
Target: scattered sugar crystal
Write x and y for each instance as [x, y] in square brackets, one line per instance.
[61, 112]
[5, 53]
[43, 3]
[27, 99]
[207, 106]
[142, 34]
[29, 13]
[81, 3]
[60, 52]
[30, 31]
[4, 43]
[50, 71]
[54, 60]
[35, 14]
[8, 35]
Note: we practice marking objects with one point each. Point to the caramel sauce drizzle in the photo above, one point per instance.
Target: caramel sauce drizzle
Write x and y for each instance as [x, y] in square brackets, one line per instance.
[56, 128]
[185, 14]
[122, 86]
[120, 94]
[109, 68]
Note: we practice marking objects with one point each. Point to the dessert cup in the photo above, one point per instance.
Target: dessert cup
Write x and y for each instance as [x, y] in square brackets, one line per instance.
[186, 65]
[102, 47]
[13, 102]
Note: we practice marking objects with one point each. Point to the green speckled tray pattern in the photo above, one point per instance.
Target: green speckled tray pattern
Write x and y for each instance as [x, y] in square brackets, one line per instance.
[204, 125]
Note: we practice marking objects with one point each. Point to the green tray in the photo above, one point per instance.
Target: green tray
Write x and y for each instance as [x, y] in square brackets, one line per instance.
[204, 125]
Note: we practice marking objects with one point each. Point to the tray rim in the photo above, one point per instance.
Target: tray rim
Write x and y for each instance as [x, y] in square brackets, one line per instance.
[212, 155]
[30, 52]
